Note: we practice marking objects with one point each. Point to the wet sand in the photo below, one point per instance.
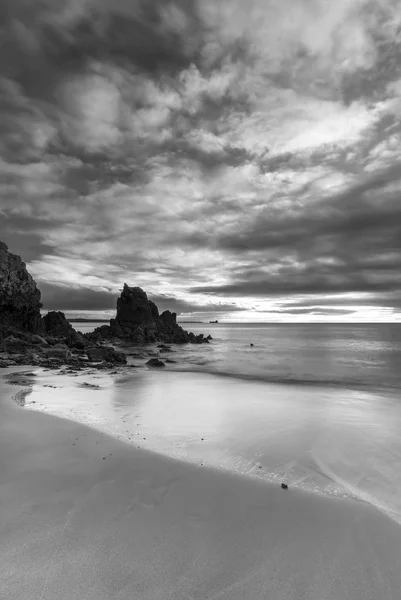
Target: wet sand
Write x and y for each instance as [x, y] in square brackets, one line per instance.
[86, 516]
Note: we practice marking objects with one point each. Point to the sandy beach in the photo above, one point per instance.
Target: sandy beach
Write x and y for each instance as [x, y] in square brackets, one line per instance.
[86, 516]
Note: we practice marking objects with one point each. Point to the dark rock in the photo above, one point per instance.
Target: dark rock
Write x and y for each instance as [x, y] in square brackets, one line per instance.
[59, 351]
[78, 341]
[134, 308]
[14, 345]
[38, 340]
[92, 386]
[7, 362]
[106, 353]
[251, 344]
[284, 486]
[169, 317]
[138, 322]
[104, 332]
[56, 326]
[19, 297]
[155, 362]
[103, 366]
[33, 359]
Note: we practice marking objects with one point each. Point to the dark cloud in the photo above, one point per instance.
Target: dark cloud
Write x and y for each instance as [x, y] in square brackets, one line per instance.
[26, 244]
[348, 243]
[62, 297]
[304, 283]
[386, 67]
[48, 40]
[361, 209]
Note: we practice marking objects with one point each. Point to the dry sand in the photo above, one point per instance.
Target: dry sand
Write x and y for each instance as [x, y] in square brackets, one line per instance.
[84, 516]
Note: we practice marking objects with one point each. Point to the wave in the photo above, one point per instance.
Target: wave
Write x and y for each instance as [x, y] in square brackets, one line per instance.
[357, 492]
[281, 379]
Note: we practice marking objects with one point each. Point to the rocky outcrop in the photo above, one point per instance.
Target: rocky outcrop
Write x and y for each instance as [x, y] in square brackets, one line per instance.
[28, 339]
[56, 326]
[19, 297]
[138, 321]
[106, 353]
[134, 308]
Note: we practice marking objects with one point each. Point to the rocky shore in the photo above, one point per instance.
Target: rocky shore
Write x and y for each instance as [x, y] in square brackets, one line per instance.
[28, 338]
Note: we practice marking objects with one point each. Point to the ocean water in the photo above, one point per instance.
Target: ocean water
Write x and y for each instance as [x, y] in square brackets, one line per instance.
[316, 406]
[345, 355]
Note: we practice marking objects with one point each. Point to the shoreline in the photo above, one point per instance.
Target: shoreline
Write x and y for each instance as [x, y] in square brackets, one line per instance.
[19, 397]
[82, 398]
[85, 515]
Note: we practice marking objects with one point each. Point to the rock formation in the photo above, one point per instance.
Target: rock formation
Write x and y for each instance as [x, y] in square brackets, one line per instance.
[21, 322]
[26, 338]
[55, 325]
[19, 297]
[134, 308]
[138, 321]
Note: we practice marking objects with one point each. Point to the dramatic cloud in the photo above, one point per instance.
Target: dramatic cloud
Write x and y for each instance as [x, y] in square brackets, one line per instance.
[237, 159]
[68, 298]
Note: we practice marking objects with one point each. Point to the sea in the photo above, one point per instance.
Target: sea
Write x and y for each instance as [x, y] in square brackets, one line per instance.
[317, 406]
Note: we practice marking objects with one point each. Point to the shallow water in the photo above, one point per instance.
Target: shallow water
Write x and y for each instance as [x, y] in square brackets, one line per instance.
[344, 355]
[328, 440]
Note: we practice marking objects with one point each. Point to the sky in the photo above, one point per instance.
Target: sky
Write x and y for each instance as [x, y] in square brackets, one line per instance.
[238, 160]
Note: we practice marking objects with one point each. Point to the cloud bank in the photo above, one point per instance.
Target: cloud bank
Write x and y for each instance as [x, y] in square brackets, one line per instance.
[241, 159]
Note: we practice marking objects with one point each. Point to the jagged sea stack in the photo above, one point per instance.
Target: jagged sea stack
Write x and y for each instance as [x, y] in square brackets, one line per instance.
[134, 308]
[19, 297]
[138, 321]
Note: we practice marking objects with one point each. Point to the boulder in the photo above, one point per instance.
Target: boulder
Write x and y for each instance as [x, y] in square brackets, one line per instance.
[107, 354]
[19, 297]
[14, 345]
[32, 358]
[77, 341]
[155, 362]
[7, 362]
[59, 351]
[56, 326]
[38, 340]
